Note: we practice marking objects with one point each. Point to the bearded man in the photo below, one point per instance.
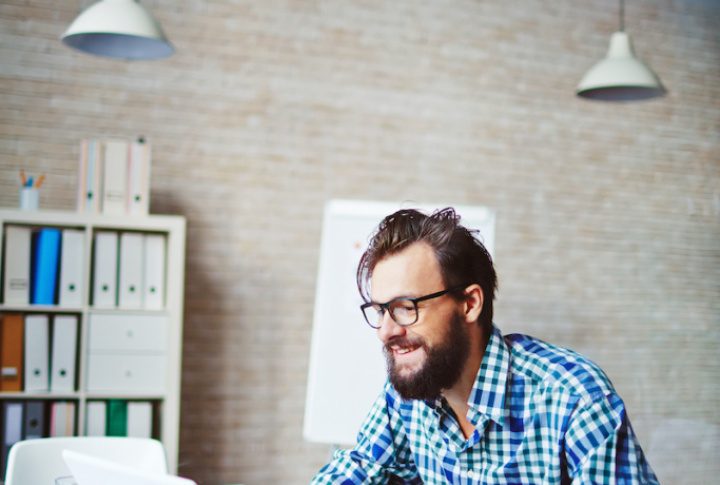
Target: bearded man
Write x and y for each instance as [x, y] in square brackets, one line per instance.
[465, 404]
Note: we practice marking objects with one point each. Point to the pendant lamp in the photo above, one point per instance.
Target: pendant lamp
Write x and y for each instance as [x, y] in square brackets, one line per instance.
[620, 76]
[120, 29]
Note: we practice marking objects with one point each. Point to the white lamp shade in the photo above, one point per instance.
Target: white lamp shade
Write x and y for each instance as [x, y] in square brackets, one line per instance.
[121, 29]
[620, 76]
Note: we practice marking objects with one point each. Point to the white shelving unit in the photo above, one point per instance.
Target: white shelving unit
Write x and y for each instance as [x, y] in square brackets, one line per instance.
[167, 343]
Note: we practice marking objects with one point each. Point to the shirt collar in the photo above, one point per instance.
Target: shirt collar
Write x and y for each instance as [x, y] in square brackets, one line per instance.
[488, 394]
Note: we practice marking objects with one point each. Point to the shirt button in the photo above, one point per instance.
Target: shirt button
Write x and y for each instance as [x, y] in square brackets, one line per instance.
[470, 474]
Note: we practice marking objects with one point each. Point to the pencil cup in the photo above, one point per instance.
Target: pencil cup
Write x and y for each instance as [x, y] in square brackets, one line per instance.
[29, 198]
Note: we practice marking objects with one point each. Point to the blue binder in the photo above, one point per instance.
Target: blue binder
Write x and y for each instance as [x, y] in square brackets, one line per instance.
[47, 251]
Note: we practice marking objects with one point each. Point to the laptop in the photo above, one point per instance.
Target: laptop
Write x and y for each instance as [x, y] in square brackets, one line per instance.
[90, 470]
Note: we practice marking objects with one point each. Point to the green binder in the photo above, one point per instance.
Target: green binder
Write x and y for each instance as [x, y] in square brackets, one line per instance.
[116, 422]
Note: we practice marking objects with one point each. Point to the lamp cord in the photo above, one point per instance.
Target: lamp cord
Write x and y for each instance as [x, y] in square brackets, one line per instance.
[622, 15]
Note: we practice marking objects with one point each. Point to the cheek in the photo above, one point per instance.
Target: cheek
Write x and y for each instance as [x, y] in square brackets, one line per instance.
[453, 324]
[436, 329]
[429, 339]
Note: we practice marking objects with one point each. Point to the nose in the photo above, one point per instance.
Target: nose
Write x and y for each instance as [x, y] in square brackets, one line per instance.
[389, 328]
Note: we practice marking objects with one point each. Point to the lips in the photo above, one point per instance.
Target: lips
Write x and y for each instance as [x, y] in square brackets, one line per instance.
[401, 347]
[404, 351]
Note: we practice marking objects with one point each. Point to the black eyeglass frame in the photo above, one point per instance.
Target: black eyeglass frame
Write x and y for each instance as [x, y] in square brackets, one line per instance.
[386, 306]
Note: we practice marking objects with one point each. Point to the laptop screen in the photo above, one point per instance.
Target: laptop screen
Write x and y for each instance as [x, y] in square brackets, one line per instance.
[90, 470]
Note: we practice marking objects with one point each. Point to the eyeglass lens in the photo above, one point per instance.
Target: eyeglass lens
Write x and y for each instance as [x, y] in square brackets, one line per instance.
[402, 310]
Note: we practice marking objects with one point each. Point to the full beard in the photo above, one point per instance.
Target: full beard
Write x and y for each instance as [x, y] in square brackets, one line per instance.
[442, 367]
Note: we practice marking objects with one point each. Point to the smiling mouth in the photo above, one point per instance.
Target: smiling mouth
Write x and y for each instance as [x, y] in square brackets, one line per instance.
[404, 350]
[402, 347]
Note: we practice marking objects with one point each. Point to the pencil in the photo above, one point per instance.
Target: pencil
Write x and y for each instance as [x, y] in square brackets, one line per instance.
[22, 178]
[41, 179]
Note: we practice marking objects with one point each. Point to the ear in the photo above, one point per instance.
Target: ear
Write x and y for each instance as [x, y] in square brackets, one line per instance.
[474, 299]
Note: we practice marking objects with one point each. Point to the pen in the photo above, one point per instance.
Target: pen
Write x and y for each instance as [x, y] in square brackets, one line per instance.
[29, 182]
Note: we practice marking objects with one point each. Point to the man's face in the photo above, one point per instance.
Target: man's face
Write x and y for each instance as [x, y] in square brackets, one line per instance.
[428, 356]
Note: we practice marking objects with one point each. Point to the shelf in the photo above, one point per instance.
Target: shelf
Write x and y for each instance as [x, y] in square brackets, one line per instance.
[48, 396]
[164, 391]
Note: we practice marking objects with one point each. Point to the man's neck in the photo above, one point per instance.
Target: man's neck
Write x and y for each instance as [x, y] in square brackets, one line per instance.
[458, 395]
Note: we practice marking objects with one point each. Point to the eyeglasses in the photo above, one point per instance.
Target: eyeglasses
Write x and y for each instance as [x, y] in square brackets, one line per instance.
[403, 310]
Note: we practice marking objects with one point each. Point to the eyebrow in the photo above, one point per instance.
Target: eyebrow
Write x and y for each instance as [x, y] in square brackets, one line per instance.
[395, 298]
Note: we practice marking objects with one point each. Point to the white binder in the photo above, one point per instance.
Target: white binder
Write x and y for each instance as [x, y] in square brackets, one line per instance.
[16, 285]
[114, 200]
[95, 418]
[83, 177]
[154, 266]
[130, 289]
[37, 348]
[105, 270]
[139, 419]
[72, 261]
[64, 353]
[139, 179]
[91, 177]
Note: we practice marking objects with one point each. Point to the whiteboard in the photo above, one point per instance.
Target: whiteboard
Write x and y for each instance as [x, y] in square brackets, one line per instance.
[347, 366]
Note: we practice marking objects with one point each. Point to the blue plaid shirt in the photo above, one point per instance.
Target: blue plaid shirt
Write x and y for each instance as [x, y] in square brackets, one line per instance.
[542, 415]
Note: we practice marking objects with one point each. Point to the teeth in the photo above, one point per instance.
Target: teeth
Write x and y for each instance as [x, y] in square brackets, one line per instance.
[404, 351]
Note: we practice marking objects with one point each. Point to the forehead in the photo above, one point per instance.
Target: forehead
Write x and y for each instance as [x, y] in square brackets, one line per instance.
[412, 272]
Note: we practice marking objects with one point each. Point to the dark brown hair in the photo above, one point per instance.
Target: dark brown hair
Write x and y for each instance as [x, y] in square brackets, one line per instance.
[462, 257]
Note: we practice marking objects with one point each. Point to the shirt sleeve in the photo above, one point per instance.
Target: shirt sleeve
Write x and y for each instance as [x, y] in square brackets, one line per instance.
[381, 455]
[601, 447]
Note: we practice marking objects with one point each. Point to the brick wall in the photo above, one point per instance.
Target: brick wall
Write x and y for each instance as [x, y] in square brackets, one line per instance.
[608, 215]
